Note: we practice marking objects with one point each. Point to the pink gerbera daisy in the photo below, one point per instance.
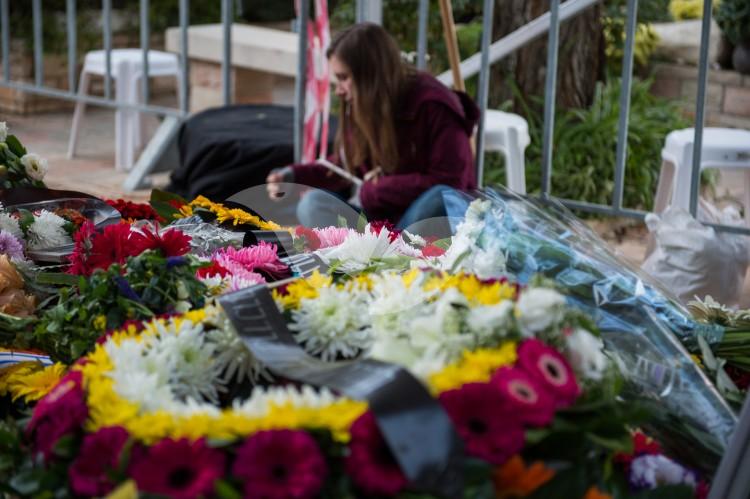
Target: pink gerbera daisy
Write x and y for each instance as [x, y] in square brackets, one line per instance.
[549, 368]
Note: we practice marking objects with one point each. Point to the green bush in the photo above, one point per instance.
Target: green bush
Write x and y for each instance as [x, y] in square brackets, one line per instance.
[585, 141]
[733, 17]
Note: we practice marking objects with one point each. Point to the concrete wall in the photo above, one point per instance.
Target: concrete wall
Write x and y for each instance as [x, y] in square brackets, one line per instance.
[727, 94]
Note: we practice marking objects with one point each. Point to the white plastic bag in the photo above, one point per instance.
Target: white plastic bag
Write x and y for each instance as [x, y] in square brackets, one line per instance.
[692, 259]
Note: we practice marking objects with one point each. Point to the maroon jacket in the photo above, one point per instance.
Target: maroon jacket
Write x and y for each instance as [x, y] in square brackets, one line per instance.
[434, 126]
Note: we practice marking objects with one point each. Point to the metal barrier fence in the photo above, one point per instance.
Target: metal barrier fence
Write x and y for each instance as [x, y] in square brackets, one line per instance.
[736, 462]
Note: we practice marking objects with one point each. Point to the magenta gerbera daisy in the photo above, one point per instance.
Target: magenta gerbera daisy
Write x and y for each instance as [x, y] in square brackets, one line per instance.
[280, 464]
[177, 468]
[525, 397]
[370, 463]
[99, 454]
[488, 427]
[549, 368]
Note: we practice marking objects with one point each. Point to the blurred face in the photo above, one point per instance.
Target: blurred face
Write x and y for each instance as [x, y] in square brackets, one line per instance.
[344, 84]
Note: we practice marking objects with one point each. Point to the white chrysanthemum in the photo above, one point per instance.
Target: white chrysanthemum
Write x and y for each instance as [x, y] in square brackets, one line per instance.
[358, 250]
[260, 401]
[332, 324]
[3, 131]
[193, 372]
[539, 308]
[394, 349]
[414, 239]
[48, 231]
[10, 224]
[586, 354]
[35, 166]
[393, 304]
[442, 330]
[490, 321]
[232, 357]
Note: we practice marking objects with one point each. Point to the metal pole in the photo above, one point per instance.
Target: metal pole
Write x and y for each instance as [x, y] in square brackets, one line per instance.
[226, 62]
[72, 44]
[359, 11]
[700, 107]
[301, 79]
[5, 25]
[107, 14]
[550, 88]
[145, 43]
[185, 62]
[484, 84]
[625, 85]
[36, 14]
[730, 481]
[422, 34]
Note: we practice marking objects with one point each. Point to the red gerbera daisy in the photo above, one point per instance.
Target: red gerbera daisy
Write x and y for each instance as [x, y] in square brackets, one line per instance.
[178, 468]
[99, 453]
[370, 462]
[171, 242]
[280, 464]
[62, 411]
[524, 396]
[549, 368]
[487, 426]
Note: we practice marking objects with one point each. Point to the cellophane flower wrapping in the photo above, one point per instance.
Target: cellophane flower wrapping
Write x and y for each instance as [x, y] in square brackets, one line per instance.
[641, 324]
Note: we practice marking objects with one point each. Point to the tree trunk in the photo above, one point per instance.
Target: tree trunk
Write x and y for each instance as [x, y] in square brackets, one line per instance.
[581, 57]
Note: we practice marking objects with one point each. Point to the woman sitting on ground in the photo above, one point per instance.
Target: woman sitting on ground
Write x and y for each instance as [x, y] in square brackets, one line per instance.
[402, 131]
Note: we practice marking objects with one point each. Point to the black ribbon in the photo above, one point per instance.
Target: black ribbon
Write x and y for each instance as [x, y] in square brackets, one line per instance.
[414, 425]
[282, 239]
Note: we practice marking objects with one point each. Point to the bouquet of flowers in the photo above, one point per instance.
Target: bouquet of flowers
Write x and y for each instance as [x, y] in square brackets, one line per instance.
[157, 405]
[639, 322]
[17, 166]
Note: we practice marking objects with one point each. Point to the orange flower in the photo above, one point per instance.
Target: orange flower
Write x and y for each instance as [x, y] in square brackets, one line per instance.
[514, 479]
[595, 493]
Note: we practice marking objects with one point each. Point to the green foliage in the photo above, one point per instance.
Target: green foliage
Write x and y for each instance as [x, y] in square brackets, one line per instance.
[733, 17]
[646, 40]
[147, 285]
[688, 9]
[585, 142]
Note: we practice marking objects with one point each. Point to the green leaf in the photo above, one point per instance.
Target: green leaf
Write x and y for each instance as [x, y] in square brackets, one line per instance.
[225, 491]
[56, 278]
[15, 145]
[341, 222]
[623, 443]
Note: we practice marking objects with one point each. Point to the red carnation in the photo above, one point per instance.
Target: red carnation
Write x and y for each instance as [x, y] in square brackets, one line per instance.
[524, 396]
[280, 464]
[379, 225]
[82, 249]
[211, 270]
[487, 426]
[177, 468]
[171, 242]
[370, 462]
[431, 251]
[114, 244]
[550, 369]
[642, 444]
[62, 411]
[99, 454]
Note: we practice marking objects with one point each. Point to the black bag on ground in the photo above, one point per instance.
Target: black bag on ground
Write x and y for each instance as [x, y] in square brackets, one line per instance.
[227, 149]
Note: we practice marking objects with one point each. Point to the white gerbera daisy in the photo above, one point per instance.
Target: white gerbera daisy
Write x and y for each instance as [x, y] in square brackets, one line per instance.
[48, 231]
[35, 166]
[332, 324]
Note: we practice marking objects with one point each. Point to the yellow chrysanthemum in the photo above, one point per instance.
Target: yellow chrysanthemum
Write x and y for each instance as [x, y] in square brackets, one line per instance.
[474, 367]
[185, 211]
[33, 381]
[302, 289]
[100, 322]
[234, 215]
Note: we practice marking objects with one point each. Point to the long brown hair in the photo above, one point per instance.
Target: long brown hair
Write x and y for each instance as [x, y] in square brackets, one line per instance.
[379, 78]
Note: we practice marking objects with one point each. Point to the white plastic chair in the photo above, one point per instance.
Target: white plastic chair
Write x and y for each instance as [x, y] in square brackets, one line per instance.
[509, 134]
[127, 71]
[721, 148]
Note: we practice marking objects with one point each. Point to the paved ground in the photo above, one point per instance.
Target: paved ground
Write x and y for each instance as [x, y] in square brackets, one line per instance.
[92, 170]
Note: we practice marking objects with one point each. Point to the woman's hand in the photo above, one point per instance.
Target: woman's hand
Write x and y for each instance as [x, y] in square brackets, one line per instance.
[273, 181]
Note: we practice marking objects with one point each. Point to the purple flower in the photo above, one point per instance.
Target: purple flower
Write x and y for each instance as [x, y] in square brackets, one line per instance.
[10, 246]
[652, 470]
[176, 261]
[125, 290]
